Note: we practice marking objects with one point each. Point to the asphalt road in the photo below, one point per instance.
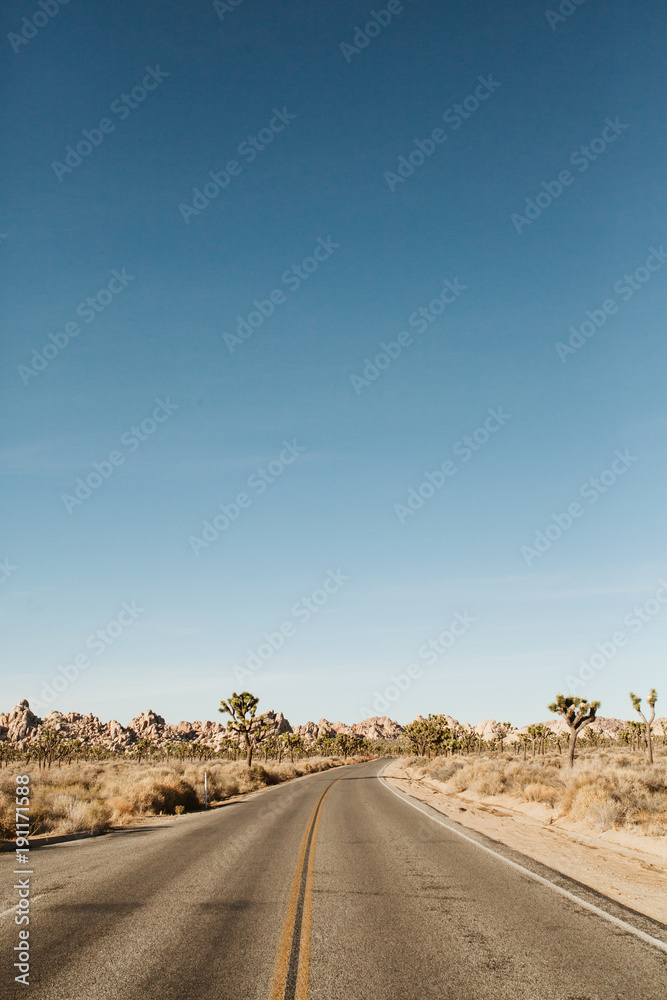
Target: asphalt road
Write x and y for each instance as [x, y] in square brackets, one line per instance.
[330, 888]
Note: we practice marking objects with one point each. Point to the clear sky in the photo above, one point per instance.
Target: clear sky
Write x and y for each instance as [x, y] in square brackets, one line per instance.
[170, 335]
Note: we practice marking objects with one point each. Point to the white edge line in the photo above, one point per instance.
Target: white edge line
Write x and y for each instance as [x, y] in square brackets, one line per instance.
[656, 942]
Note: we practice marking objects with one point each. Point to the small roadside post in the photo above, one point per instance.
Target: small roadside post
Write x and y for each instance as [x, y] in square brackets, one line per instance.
[205, 790]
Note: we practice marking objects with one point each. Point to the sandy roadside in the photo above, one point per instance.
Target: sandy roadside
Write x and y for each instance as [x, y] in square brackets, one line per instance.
[627, 867]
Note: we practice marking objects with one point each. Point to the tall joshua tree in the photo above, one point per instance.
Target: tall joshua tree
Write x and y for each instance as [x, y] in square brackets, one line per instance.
[577, 713]
[417, 734]
[244, 722]
[636, 704]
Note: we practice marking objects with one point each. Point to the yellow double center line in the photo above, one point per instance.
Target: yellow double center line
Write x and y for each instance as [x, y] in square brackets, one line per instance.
[291, 978]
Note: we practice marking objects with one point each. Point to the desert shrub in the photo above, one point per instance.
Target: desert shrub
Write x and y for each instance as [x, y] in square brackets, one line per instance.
[91, 797]
[444, 770]
[536, 792]
[7, 815]
[604, 790]
[161, 793]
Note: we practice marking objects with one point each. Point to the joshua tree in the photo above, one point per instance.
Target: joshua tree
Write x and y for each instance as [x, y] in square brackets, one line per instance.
[144, 748]
[417, 734]
[350, 743]
[534, 733]
[577, 713]
[270, 747]
[439, 735]
[228, 747]
[636, 704]
[501, 731]
[49, 747]
[539, 735]
[293, 743]
[244, 722]
[323, 745]
[72, 749]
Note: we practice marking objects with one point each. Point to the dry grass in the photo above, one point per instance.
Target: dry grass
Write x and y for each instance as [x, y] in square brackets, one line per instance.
[606, 789]
[95, 797]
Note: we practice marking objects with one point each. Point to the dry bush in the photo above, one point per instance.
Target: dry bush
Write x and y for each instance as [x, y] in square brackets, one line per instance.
[7, 815]
[60, 807]
[632, 795]
[537, 792]
[606, 789]
[158, 793]
[93, 797]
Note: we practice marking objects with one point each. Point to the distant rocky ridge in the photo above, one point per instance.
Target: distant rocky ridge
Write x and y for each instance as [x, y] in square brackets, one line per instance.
[21, 726]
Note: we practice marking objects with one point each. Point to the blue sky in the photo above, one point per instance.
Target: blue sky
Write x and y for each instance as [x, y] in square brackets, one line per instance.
[209, 411]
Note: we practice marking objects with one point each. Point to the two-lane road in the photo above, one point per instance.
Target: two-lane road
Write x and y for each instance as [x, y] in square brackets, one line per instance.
[329, 888]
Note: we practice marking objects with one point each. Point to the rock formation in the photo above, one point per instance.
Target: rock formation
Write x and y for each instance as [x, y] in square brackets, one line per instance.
[20, 727]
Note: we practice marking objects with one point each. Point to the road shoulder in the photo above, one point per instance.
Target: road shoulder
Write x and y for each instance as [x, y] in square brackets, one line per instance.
[634, 877]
